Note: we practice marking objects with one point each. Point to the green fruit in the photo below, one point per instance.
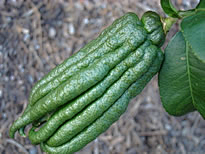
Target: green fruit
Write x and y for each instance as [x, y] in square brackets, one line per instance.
[108, 117]
[92, 88]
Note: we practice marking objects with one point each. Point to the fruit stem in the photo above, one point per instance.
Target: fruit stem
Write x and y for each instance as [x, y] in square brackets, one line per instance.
[167, 23]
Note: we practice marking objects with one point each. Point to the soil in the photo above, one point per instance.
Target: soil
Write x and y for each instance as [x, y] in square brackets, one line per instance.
[35, 36]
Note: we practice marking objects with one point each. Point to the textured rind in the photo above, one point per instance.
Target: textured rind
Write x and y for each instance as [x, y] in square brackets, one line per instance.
[108, 117]
[55, 73]
[85, 78]
[112, 43]
[83, 52]
[93, 111]
[64, 68]
[72, 108]
[152, 24]
[59, 92]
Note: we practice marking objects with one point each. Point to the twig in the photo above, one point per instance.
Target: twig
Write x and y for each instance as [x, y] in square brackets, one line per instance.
[17, 145]
[197, 119]
[1, 147]
[96, 150]
[39, 32]
[153, 133]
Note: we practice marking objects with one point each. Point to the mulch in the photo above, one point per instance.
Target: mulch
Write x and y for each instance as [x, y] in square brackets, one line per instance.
[35, 36]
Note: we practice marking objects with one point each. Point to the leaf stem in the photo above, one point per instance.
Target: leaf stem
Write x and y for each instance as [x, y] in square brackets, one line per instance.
[183, 14]
[167, 23]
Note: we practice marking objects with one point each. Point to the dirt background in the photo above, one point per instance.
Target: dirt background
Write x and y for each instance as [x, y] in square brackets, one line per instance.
[36, 35]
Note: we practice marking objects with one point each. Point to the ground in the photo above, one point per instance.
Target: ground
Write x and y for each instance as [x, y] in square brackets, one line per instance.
[35, 36]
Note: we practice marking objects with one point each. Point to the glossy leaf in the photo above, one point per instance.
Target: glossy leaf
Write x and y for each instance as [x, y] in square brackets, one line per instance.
[193, 28]
[174, 78]
[182, 79]
[201, 5]
[169, 8]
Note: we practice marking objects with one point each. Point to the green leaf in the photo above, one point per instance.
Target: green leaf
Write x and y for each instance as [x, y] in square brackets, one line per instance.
[193, 28]
[182, 78]
[169, 8]
[201, 5]
[174, 83]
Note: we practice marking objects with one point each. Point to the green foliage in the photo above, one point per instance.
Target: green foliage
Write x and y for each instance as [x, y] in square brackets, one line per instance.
[182, 76]
[201, 5]
[169, 8]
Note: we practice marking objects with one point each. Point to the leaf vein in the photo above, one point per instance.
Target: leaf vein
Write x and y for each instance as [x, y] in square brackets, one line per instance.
[188, 71]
